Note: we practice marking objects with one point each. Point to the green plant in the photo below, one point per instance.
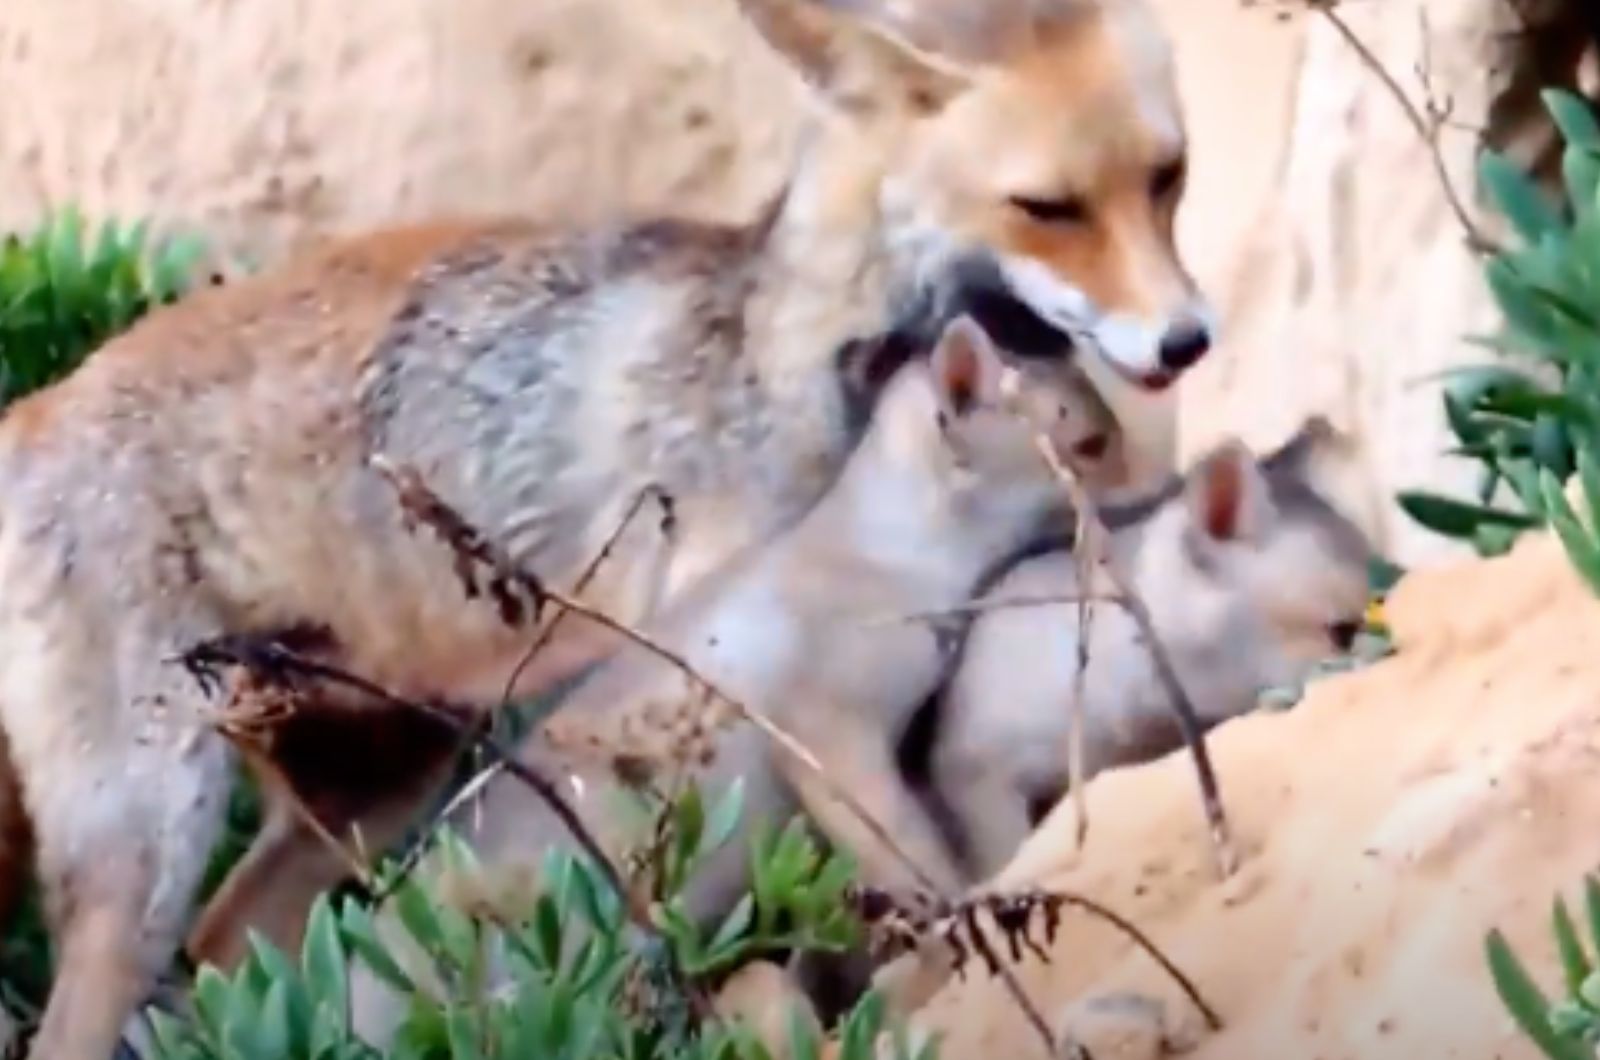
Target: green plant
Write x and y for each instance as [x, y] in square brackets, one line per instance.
[64, 291]
[1533, 420]
[582, 979]
[1568, 1029]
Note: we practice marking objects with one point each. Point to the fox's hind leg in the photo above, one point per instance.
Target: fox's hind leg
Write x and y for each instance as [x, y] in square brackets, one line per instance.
[126, 783]
[357, 768]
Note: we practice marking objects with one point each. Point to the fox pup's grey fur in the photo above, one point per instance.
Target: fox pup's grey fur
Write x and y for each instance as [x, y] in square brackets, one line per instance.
[1250, 578]
[210, 471]
[811, 631]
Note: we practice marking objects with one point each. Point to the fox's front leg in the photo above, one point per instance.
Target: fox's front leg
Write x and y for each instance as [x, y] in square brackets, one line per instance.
[857, 756]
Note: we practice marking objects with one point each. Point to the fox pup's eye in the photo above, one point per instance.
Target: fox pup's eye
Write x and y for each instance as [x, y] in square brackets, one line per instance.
[1166, 178]
[1069, 210]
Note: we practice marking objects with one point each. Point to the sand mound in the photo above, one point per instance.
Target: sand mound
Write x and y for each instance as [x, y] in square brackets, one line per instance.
[1386, 824]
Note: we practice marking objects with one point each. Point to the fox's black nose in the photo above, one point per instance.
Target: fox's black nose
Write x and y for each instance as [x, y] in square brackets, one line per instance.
[1184, 344]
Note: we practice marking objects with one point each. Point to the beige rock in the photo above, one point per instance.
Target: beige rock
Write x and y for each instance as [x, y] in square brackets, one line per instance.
[1454, 787]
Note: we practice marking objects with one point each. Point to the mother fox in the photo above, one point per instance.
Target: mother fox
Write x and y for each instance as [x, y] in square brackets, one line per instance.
[210, 471]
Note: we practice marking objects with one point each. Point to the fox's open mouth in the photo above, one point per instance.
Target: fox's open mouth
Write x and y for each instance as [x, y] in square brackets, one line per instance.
[1012, 323]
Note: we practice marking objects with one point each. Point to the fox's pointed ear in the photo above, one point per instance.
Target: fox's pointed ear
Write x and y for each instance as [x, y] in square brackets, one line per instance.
[967, 368]
[1227, 494]
[859, 66]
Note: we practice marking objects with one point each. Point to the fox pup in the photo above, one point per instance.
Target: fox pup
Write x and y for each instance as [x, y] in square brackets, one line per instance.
[812, 632]
[1250, 578]
[211, 471]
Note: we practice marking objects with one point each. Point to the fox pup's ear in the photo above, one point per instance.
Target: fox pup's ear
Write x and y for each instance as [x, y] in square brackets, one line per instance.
[1228, 495]
[967, 369]
[1298, 456]
[857, 65]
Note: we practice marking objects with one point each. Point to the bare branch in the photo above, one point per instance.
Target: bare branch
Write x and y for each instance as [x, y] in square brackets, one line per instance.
[1427, 121]
[899, 925]
[1177, 697]
[423, 505]
[268, 660]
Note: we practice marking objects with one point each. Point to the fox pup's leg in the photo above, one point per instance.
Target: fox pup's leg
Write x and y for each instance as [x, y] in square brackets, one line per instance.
[127, 783]
[365, 774]
[857, 755]
[987, 802]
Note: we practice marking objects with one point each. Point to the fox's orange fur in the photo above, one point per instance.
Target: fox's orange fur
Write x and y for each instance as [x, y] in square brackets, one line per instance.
[210, 470]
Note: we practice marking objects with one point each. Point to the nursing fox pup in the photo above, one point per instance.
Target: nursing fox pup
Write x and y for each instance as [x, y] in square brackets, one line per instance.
[823, 630]
[212, 469]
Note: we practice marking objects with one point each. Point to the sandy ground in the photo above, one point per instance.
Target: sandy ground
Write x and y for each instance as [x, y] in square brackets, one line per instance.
[1387, 823]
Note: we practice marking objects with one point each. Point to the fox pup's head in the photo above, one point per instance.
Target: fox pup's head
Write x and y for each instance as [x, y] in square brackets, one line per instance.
[973, 418]
[1253, 568]
[1030, 164]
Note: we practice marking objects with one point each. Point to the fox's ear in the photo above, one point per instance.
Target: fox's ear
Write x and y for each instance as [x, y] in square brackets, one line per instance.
[856, 64]
[1228, 495]
[967, 369]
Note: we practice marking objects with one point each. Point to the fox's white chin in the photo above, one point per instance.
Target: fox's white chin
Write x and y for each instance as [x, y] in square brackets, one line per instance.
[1128, 344]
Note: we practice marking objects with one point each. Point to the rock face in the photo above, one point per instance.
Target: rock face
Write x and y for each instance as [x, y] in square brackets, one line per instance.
[1453, 788]
[1314, 218]
[267, 121]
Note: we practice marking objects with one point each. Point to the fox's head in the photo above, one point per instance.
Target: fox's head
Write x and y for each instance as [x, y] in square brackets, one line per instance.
[1030, 163]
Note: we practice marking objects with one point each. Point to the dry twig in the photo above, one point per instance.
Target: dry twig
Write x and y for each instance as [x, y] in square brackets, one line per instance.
[1427, 121]
[897, 926]
[1177, 697]
[473, 549]
[271, 661]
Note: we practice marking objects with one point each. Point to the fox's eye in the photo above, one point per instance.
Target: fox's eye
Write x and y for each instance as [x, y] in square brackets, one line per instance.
[1069, 210]
[1166, 178]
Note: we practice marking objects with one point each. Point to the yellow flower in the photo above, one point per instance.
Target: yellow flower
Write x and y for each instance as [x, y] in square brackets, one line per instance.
[1374, 615]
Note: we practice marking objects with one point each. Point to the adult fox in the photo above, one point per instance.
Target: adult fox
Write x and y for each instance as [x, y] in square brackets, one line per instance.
[210, 470]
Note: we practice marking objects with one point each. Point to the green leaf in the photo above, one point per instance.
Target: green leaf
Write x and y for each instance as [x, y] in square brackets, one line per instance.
[724, 818]
[272, 1036]
[547, 932]
[1518, 198]
[1574, 116]
[726, 942]
[1456, 518]
[1525, 1002]
[803, 1044]
[323, 960]
[1583, 550]
[1580, 173]
[1574, 963]
[361, 935]
[1591, 903]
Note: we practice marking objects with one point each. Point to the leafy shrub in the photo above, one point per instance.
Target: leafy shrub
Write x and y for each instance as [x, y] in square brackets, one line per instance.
[605, 991]
[1534, 419]
[1568, 1029]
[65, 291]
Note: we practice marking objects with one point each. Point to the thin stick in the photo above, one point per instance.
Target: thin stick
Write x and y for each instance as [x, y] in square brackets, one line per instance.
[548, 632]
[1084, 556]
[416, 498]
[1182, 706]
[1143, 941]
[978, 607]
[420, 502]
[1426, 127]
[273, 661]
